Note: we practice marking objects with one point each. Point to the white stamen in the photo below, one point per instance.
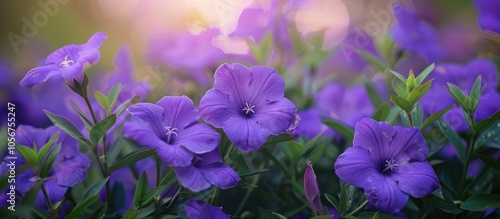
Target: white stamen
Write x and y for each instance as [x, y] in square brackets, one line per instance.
[66, 63]
[170, 131]
[390, 165]
[248, 108]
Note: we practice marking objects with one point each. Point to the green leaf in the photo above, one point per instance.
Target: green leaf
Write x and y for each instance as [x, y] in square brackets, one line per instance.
[141, 189]
[273, 139]
[400, 88]
[382, 112]
[103, 101]
[457, 95]
[411, 82]
[402, 103]
[339, 127]
[29, 155]
[100, 213]
[67, 127]
[48, 162]
[373, 94]
[94, 190]
[481, 202]
[475, 93]
[398, 75]
[47, 146]
[486, 123]
[251, 173]
[372, 60]
[443, 205]
[114, 150]
[333, 201]
[489, 161]
[435, 117]
[131, 158]
[130, 214]
[487, 135]
[421, 77]
[417, 115]
[113, 94]
[267, 214]
[418, 92]
[90, 197]
[151, 194]
[346, 197]
[372, 215]
[119, 110]
[100, 129]
[452, 137]
[296, 149]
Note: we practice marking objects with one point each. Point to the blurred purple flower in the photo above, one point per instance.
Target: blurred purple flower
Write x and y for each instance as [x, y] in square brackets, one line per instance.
[389, 163]
[67, 62]
[171, 127]
[489, 15]
[311, 189]
[196, 209]
[69, 167]
[248, 104]
[311, 125]
[415, 35]
[205, 170]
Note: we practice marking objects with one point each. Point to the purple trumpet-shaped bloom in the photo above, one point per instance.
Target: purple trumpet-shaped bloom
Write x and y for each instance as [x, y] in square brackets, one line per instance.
[205, 170]
[311, 189]
[389, 163]
[415, 35]
[196, 209]
[69, 167]
[67, 62]
[489, 15]
[248, 104]
[171, 127]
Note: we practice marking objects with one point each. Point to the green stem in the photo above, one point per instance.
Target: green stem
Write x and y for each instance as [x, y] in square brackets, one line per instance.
[468, 158]
[410, 119]
[358, 209]
[158, 169]
[46, 196]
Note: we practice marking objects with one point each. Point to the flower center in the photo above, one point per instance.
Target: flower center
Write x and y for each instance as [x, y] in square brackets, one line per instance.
[170, 131]
[248, 108]
[390, 165]
[66, 63]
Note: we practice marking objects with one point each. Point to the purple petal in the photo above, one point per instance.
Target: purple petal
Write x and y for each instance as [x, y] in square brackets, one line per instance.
[355, 166]
[215, 108]
[384, 193]
[311, 189]
[151, 115]
[143, 134]
[74, 72]
[233, 79]
[276, 117]
[246, 134]
[266, 85]
[220, 175]
[175, 156]
[71, 165]
[484, 68]
[191, 178]
[95, 41]
[38, 75]
[210, 157]
[178, 112]
[198, 138]
[201, 210]
[91, 57]
[417, 179]
[54, 191]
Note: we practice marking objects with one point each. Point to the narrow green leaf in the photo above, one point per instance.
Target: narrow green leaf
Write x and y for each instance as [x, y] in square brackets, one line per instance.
[373, 61]
[29, 155]
[103, 101]
[332, 200]
[418, 92]
[268, 214]
[339, 127]
[488, 135]
[373, 95]
[100, 213]
[48, 162]
[489, 161]
[443, 205]
[421, 77]
[251, 173]
[452, 137]
[274, 139]
[130, 214]
[81, 206]
[119, 110]
[481, 202]
[46, 147]
[457, 95]
[398, 75]
[400, 88]
[114, 150]
[346, 197]
[67, 127]
[402, 103]
[131, 158]
[76, 108]
[435, 116]
[486, 123]
[94, 190]
[373, 215]
[382, 112]
[141, 189]
[296, 149]
[101, 128]
[323, 217]
[411, 82]
[475, 93]
[113, 94]
[151, 194]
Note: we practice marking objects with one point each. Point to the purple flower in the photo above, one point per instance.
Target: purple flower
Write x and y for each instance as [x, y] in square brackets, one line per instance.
[205, 170]
[248, 104]
[196, 209]
[415, 35]
[171, 127]
[311, 189]
[67, 62]
[489, 15]
[69, 167]
[389, 163]
[311, 125]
